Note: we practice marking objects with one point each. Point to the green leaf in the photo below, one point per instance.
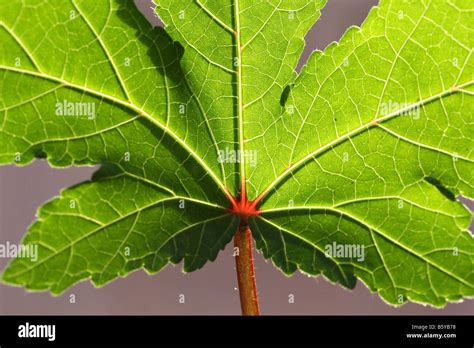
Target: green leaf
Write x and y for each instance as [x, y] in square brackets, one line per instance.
[129, 74]
[108, 227]
[369, 147]
[379, 130]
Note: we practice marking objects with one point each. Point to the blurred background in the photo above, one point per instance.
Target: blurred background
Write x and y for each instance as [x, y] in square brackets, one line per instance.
[211, 290]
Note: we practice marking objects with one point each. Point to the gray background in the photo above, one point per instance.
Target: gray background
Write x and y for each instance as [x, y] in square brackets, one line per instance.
[211, 290]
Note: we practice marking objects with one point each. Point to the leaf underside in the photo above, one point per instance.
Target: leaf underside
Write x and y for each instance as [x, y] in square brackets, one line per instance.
[369, 146]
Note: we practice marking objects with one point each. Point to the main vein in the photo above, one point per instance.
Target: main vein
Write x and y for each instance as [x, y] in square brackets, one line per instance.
[238, 64]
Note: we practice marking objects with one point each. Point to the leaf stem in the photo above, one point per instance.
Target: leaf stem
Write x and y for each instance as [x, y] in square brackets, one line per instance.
[245, 270]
